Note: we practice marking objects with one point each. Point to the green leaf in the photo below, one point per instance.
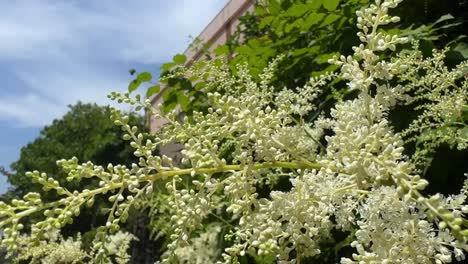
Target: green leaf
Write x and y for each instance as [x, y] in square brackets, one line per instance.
[200, 85]
[168, 66]
[153, 90]
[133, 85]
[315, 4]
[170, 100]
[183, 100]
[465, 113]
[323, 58]
[180, 59]
[144, 77]
[221, 50]
[274, 7]
[280, 28]
[312, 19]
[462, 48]
[141, 78]
[295, 24]
[329, 19]
[259, 10]
[297, 10]
[331, 5]
[266, 21]
[168, 106]
[300, 52]
[169, 94]
[443, 18]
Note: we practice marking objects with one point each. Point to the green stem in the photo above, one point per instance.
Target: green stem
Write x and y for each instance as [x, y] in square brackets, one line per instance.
[161, 175]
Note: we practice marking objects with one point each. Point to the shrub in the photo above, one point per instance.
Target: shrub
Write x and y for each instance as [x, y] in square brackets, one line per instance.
[259, 183]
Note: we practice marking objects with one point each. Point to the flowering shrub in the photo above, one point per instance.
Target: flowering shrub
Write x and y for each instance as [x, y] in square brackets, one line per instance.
[347, 170]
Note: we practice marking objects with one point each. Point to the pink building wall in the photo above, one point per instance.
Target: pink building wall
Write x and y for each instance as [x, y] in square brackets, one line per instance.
[215, 33]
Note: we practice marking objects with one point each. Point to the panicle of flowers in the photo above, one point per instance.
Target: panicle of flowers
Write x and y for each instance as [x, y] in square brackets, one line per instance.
[55, 249]
[373, 151]
[363, 72]
[354, 179]
[246, 111]
[189, 208]
[364, 146]
[201, 249]
[290, 225]
[394, 231]
[113, 179]
[442, 95]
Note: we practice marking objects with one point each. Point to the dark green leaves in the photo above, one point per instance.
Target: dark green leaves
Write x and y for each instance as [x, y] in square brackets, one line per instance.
[462, 48]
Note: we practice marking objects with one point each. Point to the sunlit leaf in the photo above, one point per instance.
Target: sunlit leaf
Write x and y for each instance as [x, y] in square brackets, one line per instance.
[331, 5]
[152, 90]
[180, 59]
[144, 77]
[133, 85]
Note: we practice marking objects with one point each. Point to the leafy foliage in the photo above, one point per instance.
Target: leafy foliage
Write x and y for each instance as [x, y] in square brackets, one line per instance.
[308, 33]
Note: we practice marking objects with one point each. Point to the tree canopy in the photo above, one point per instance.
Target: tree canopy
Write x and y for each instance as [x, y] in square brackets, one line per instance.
[85, 132]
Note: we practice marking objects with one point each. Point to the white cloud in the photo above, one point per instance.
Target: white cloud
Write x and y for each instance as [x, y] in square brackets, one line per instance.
[29, 110]
[65, 51]
[144, 31]
[69, 85]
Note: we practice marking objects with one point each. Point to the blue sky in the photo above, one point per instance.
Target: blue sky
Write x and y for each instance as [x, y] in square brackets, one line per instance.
[54, 53]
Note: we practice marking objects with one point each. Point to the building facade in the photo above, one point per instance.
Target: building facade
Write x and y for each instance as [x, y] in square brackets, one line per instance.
[217, 32]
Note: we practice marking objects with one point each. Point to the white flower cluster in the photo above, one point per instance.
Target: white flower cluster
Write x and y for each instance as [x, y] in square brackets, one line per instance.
[444, 93]
[395, 231]
[189, 209]
[243, 110]
[55, 249]
[362, 74]
[364, 146]
[202, 249]
[346, 172]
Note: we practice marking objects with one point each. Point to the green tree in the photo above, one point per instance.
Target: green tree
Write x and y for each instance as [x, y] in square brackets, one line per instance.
[86, 132]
